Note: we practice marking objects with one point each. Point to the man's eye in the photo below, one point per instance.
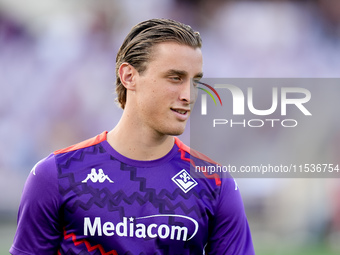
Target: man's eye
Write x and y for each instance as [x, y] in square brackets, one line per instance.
[175, 78]
[195, 82]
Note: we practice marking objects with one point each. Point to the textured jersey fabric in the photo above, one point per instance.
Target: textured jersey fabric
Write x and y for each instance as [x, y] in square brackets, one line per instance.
[89, 199]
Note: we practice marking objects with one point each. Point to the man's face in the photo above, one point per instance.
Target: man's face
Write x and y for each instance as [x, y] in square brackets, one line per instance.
[165, 91]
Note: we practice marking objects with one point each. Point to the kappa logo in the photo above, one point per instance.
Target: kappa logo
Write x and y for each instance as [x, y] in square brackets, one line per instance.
[97, 177]
[184, 181]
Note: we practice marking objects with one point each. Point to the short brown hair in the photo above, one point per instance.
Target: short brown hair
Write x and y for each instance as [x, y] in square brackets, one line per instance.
[136, 48]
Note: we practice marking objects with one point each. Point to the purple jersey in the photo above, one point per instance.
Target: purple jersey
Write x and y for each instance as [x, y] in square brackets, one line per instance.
[89, 199]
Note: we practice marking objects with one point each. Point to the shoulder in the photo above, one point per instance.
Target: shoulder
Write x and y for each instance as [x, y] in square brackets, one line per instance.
[199, 163]
[84, 144]
[45, 169]
[205, 168]
[85, 151]
[41, 184]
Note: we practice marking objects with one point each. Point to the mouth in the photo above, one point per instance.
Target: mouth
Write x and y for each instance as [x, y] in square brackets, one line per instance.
[180, 111]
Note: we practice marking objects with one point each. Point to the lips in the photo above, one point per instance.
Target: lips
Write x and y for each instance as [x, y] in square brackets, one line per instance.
[181, 114]
[180, 111]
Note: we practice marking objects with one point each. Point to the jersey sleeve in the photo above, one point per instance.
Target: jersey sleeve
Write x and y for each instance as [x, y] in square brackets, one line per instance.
[230, 230]
[39, 230]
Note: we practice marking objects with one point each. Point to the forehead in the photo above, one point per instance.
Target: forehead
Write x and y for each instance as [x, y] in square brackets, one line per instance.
[172, 55]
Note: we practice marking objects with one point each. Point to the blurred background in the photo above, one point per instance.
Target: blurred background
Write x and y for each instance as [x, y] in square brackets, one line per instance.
[57, 81]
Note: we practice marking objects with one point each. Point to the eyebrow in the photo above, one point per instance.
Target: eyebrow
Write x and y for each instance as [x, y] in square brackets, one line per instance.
[182, 73]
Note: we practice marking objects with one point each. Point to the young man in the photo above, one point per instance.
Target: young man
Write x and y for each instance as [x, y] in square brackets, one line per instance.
[130, 191]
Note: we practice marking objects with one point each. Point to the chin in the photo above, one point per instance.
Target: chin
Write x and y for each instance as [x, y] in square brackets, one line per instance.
[175, 132]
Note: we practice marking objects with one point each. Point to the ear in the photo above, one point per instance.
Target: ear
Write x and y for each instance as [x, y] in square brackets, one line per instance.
[127, 75]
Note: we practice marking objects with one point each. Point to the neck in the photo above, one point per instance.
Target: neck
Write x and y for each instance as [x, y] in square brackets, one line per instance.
[135, 142]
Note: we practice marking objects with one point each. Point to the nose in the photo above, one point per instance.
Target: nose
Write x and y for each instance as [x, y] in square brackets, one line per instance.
[188, 92]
